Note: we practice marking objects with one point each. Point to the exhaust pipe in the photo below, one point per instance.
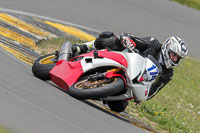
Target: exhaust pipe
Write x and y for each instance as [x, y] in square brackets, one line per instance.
[65, 51]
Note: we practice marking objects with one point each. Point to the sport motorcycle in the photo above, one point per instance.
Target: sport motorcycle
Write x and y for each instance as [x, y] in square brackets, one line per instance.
[100, 74]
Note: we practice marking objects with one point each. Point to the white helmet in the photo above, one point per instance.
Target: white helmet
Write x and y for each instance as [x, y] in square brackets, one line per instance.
[173, 50]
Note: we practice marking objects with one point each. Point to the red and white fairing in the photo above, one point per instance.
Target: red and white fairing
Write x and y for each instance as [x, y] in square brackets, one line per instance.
[66, 73]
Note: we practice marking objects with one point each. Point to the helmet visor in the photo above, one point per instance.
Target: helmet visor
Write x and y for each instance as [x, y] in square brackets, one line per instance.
[175, 58]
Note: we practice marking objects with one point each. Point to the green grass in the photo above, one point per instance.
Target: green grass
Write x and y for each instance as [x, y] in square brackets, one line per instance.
[175, 108]
[51, 45]
[191, 3]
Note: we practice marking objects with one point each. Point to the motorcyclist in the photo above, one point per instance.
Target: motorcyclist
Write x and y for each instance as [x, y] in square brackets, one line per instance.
[168, 55]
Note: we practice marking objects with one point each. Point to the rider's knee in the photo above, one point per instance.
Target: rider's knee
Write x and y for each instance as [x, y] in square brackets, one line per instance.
[107, 40]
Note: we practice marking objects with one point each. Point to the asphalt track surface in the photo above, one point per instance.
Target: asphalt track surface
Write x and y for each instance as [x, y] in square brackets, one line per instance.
[158, 18]
[30, 105]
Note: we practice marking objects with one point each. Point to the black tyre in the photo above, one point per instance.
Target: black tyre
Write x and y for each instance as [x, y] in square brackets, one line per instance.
[85, 89]
[43, 65]
[117, 106]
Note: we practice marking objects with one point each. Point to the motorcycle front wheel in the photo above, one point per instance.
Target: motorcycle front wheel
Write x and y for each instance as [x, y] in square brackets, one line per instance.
[85, 89]
[117, 106]
[43, 65]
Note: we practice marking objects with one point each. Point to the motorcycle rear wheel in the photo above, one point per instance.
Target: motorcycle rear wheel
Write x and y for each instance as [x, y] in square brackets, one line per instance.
[85, 89]
[43, 65]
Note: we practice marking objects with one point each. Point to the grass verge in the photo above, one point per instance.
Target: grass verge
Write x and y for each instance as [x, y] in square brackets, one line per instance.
[51, 45]
[191, 3]
[175, 109]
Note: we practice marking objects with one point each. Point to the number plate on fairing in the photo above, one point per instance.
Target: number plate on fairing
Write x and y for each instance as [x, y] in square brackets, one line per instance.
[152, 71]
